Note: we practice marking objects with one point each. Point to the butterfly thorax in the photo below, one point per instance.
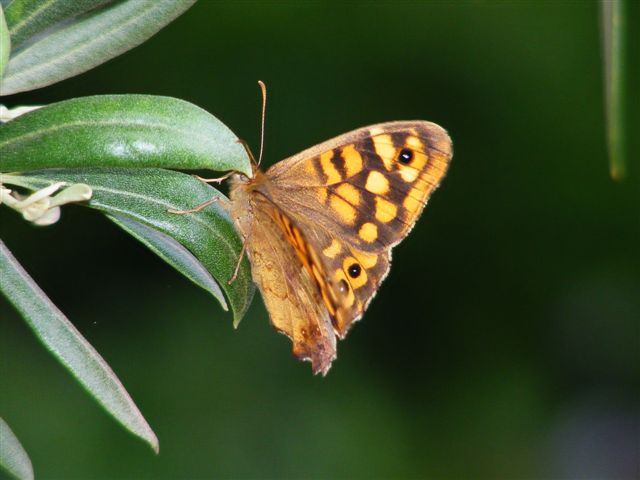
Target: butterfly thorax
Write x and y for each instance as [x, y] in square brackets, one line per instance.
[241, 192]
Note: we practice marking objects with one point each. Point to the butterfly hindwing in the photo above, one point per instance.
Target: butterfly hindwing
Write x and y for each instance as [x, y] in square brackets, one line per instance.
[352, 277]
[290, 293]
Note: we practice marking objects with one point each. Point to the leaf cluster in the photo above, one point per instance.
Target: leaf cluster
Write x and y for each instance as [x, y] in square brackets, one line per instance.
[125, 156]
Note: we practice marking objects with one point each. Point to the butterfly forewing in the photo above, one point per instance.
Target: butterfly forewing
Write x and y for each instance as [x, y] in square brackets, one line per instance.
[367, 186]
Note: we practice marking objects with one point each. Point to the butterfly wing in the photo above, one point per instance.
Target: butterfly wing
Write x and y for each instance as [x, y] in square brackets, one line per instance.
[366, 187]
[353, 198]
[350, 276]
[290, 292]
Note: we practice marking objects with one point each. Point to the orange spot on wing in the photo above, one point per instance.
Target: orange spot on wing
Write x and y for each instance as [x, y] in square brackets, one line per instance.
[385, 149]
[358, 281]
[332, 250]
[349, 193]
[385, 210]
[329, 169]
[413, 201]
[368, 232]
[352, 160]
[344, 210]
[414, 143]
[322, 194]
[367, 260]
[410, 172]
[377, 183]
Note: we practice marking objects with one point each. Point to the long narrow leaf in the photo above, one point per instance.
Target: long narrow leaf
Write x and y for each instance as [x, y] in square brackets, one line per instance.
[173, 253]
[614, 33]
[146, 195]
[27, 18]
[120, 130]
[13, 457]
[87, 42]
[5, 43]
[66, 343]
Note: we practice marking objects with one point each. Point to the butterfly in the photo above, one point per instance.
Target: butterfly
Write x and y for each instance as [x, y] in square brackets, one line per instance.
[318, 227]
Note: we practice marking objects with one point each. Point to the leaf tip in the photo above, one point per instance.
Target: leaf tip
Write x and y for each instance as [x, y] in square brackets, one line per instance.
[617, 173]
[155, 445]
[223, 303]
[149, 436]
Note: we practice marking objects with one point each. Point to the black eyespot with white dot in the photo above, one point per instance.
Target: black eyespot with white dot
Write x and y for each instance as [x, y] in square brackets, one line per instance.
[343, 287]
[405, 156]
[354, 270]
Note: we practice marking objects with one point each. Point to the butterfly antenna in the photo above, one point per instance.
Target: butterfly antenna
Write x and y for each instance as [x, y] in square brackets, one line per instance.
[263, 87]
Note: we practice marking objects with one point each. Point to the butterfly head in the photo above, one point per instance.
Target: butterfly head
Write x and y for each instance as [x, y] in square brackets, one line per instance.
[248, 183]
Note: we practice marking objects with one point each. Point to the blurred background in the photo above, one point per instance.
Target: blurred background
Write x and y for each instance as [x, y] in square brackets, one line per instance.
[504, 343]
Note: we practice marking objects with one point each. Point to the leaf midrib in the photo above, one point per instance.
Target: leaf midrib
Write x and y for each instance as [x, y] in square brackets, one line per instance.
[151, 200]
[107, 123]
[62, 59]
[17, 26]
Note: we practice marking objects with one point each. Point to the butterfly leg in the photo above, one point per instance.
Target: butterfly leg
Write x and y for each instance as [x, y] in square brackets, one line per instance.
[221, 179]
[197, 208]
[237, 269]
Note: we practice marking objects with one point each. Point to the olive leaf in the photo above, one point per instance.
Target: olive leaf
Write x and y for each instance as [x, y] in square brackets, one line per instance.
[145, 196]
[123, 131]
[67, 344]
[59, 40]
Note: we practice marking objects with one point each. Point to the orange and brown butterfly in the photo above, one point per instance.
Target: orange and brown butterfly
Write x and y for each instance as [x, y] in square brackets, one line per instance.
[319, 226]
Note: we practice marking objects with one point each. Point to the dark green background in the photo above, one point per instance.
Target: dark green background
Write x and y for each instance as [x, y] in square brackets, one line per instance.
[504, 343]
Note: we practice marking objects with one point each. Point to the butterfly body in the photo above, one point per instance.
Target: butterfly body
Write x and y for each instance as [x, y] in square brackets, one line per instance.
[319, 226]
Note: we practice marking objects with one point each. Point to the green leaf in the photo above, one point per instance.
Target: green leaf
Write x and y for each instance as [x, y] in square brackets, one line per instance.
[5, 43]
[88, 41]
[145, 195]
[26, 18]
[173, 253]
[123, 131]
[66, 343]
[13, 457]
[615, 40]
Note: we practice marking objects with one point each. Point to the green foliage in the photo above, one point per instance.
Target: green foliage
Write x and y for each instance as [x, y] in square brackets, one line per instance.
[523, 271]
[84, 42]
[145, 196]
[120, 130]
[112, 151]
[5, 43]
[173, 253]
[616, 71]
[67, 344]
[12, 455]
[30, 17]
